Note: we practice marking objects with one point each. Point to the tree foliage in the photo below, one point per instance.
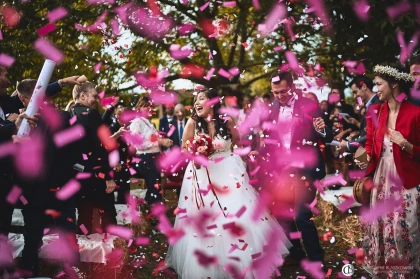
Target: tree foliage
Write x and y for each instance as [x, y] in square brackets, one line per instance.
[340, 37]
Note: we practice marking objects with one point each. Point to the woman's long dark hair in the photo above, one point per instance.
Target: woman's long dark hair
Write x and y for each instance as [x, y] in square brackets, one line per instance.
[201, 123]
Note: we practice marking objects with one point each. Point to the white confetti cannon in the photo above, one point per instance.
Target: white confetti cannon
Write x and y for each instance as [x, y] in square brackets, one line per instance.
[38, 96]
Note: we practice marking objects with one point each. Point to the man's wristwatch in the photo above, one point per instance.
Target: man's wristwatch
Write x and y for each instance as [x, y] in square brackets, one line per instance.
[61, 83]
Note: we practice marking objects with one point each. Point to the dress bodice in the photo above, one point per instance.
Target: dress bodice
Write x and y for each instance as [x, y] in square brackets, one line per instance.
[221, 145]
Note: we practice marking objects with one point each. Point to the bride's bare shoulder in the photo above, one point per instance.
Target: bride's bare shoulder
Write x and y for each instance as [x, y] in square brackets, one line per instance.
[190, 122]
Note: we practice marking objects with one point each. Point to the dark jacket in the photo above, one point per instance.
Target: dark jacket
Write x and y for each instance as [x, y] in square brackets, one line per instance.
[57, 163]
[91, 147]
[12, 104]
[165, 126]
[7, 129]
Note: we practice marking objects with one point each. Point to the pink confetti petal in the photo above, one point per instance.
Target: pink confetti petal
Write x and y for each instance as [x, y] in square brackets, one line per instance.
[147, 24]
[6, 60]
[229, 111]
[61, 250]
[361, 9]
[97, 67]
[352, 250]
[83, 175]
[242, 151]
[279, 48]
[210, 73]
[240, 211]
[234, 71]
[29, 157]
[401, 97]
[277, 13]
[295, 235]
[380, 209]
[116, 31]
[49, 50]
[68, 190]
[69, 135]
[142, 241]
[205, 260]
[100, 2]
[1, 36]
[186, 29]
[114, 158]
[43, 31]
[229, 4]
[359, 101]
[313, 268]
[123, 232]
[397, 10]
[319, 9]
[212, 102]
[164, 98]
[171, 131]
[14, 194]
[293, 62]
[23, 200]
[334, 180]
[203, 7]
[348, 201]
[6, 252]
[256, 4]
[57, 14]
[179, 53]
[224, 73]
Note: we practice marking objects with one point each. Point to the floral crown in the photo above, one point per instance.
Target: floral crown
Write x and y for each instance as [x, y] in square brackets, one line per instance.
[392, 72]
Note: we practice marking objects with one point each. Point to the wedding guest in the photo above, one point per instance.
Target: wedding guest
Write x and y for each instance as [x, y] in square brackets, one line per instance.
[179, 123]
[97, 191]
[267, 98]
[362, 87]
[393, 147]
[108, 117]
[43, 208]
[214, 208]
[246, 106]
[121, 171]
[312, 96]
[12, 104]
[166, 122]
[415, 74]
[149, 151]
[291, 109]
[8, 127]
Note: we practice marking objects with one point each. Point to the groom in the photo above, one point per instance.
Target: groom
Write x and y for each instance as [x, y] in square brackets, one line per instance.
[300, 125]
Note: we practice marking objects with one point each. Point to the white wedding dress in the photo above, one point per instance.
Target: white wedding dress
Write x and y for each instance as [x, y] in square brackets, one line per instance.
[207, 221]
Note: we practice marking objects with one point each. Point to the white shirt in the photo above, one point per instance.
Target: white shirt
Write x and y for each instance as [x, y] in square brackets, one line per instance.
[179, 129]
[2, 116]
[285, 117]
[146, 129]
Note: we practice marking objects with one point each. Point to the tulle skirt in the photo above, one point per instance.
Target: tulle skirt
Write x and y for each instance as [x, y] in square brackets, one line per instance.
[221, 236]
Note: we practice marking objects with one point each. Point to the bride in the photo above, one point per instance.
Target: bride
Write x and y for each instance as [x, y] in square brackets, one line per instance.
[216, 207]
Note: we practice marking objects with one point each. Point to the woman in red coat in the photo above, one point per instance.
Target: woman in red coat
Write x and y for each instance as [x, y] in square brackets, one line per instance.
[393, 145]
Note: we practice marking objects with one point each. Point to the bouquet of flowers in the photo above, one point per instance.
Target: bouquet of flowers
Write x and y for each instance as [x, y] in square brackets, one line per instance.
[200, 145]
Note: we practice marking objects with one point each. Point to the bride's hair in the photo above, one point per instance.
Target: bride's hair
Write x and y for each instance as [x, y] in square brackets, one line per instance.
[201, 123]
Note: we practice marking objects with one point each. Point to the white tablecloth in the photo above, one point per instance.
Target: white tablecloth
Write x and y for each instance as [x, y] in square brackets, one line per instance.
[17, 218]
[92, 248]
[333, 196]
